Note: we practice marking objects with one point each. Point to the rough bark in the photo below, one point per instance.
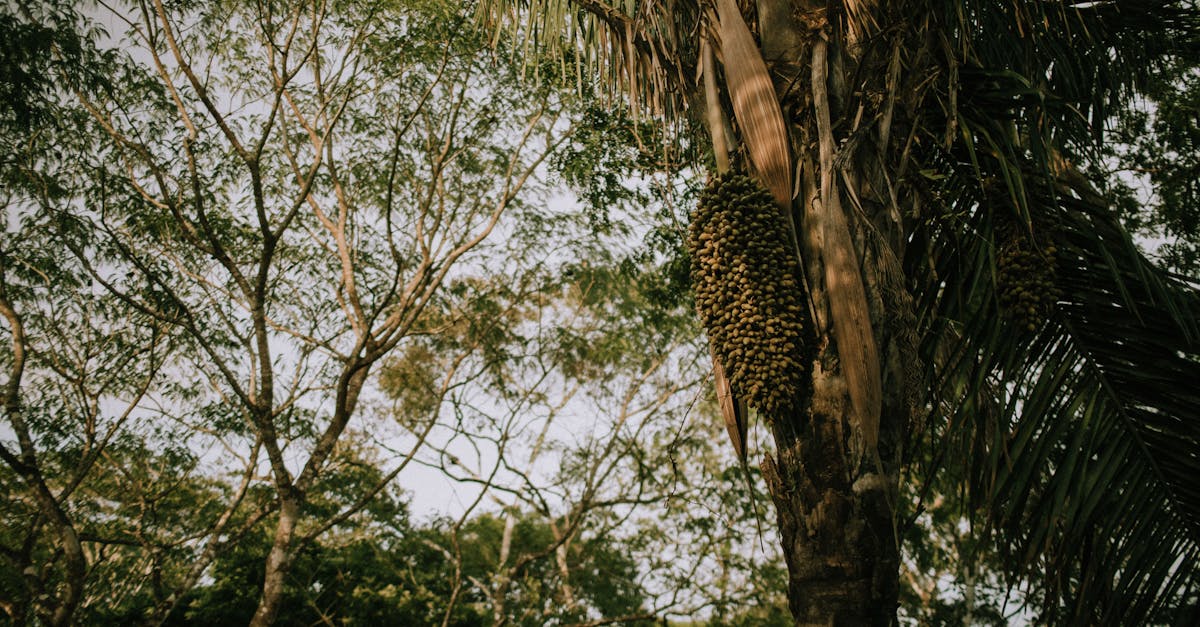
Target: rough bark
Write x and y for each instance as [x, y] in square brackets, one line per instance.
[836, 521]
[836, 498]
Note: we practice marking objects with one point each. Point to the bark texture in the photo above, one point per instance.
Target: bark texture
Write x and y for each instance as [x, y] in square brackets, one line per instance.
[834, 484]
[836, 522]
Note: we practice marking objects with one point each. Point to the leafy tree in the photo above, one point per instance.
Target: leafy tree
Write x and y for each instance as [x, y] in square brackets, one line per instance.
[375, 569]
[243, 263]
[1158, 140]
[78, 362]
[221, 220]
[561, 399]
[969, 290]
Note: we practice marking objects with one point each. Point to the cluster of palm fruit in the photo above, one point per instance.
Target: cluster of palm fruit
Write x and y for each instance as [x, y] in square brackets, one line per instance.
[748, 291]
[1026, 281]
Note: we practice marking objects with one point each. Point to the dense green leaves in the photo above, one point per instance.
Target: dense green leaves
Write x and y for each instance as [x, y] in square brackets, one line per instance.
[1076, 427]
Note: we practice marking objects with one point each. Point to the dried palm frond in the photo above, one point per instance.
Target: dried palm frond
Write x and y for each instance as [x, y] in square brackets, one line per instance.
[733, 410]
[755, 105]
[843, 280]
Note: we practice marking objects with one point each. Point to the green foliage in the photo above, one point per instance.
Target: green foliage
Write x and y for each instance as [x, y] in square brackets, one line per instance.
[132, 512]
[203, 267]
[197, 270]
[397, 573]
[950, 572]
[45, 47]
[194, 316]
[1156, 144]
[607, 157]
[381, 571]
[1072, 389]
[1021, 418]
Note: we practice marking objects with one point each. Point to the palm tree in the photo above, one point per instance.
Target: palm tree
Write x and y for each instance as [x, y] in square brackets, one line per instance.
[969, 290]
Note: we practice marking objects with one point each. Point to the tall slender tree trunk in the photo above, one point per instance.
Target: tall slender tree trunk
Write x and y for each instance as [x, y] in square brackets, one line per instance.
[293, 493]
[279, 561]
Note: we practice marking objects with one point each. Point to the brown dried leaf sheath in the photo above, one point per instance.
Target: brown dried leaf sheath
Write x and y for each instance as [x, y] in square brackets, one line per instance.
[733, 410]
[843, 279]
[755, 105]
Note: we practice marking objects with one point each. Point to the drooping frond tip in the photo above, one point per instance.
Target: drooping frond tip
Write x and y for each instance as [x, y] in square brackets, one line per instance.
[642, 53]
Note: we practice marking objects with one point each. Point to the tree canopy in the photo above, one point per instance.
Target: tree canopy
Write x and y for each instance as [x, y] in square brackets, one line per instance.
[268, 267]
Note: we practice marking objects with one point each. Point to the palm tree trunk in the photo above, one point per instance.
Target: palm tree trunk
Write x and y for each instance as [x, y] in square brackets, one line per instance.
[836, 525]
[835, 502]
[834, 483]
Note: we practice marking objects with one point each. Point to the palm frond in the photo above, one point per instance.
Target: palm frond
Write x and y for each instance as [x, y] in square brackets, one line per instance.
[645, 51]
[1091, 55]
[755, 104]
[1083, 436]
[1106, 411]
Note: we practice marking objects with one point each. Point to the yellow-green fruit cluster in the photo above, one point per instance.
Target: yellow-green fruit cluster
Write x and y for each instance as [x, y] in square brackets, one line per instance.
[1025, 281]
[748, 292]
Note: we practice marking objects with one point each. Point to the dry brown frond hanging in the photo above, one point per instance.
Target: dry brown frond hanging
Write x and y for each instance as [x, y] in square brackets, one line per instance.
[733, 409]
[755, 105]
[848, 310]
[714, 114]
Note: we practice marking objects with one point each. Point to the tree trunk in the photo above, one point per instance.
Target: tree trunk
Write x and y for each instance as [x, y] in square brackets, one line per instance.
[836, 523]
[279, 561]
[56, 609]
[70, 592]
[835, 495]
[835, 501]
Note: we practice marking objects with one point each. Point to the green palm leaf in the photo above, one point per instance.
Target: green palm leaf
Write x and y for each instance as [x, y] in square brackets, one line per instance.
[1088, 431]
[1083, 438]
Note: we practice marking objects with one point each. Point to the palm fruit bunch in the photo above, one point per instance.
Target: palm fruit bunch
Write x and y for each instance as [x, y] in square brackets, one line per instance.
[1026, 275]
[748, 292]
